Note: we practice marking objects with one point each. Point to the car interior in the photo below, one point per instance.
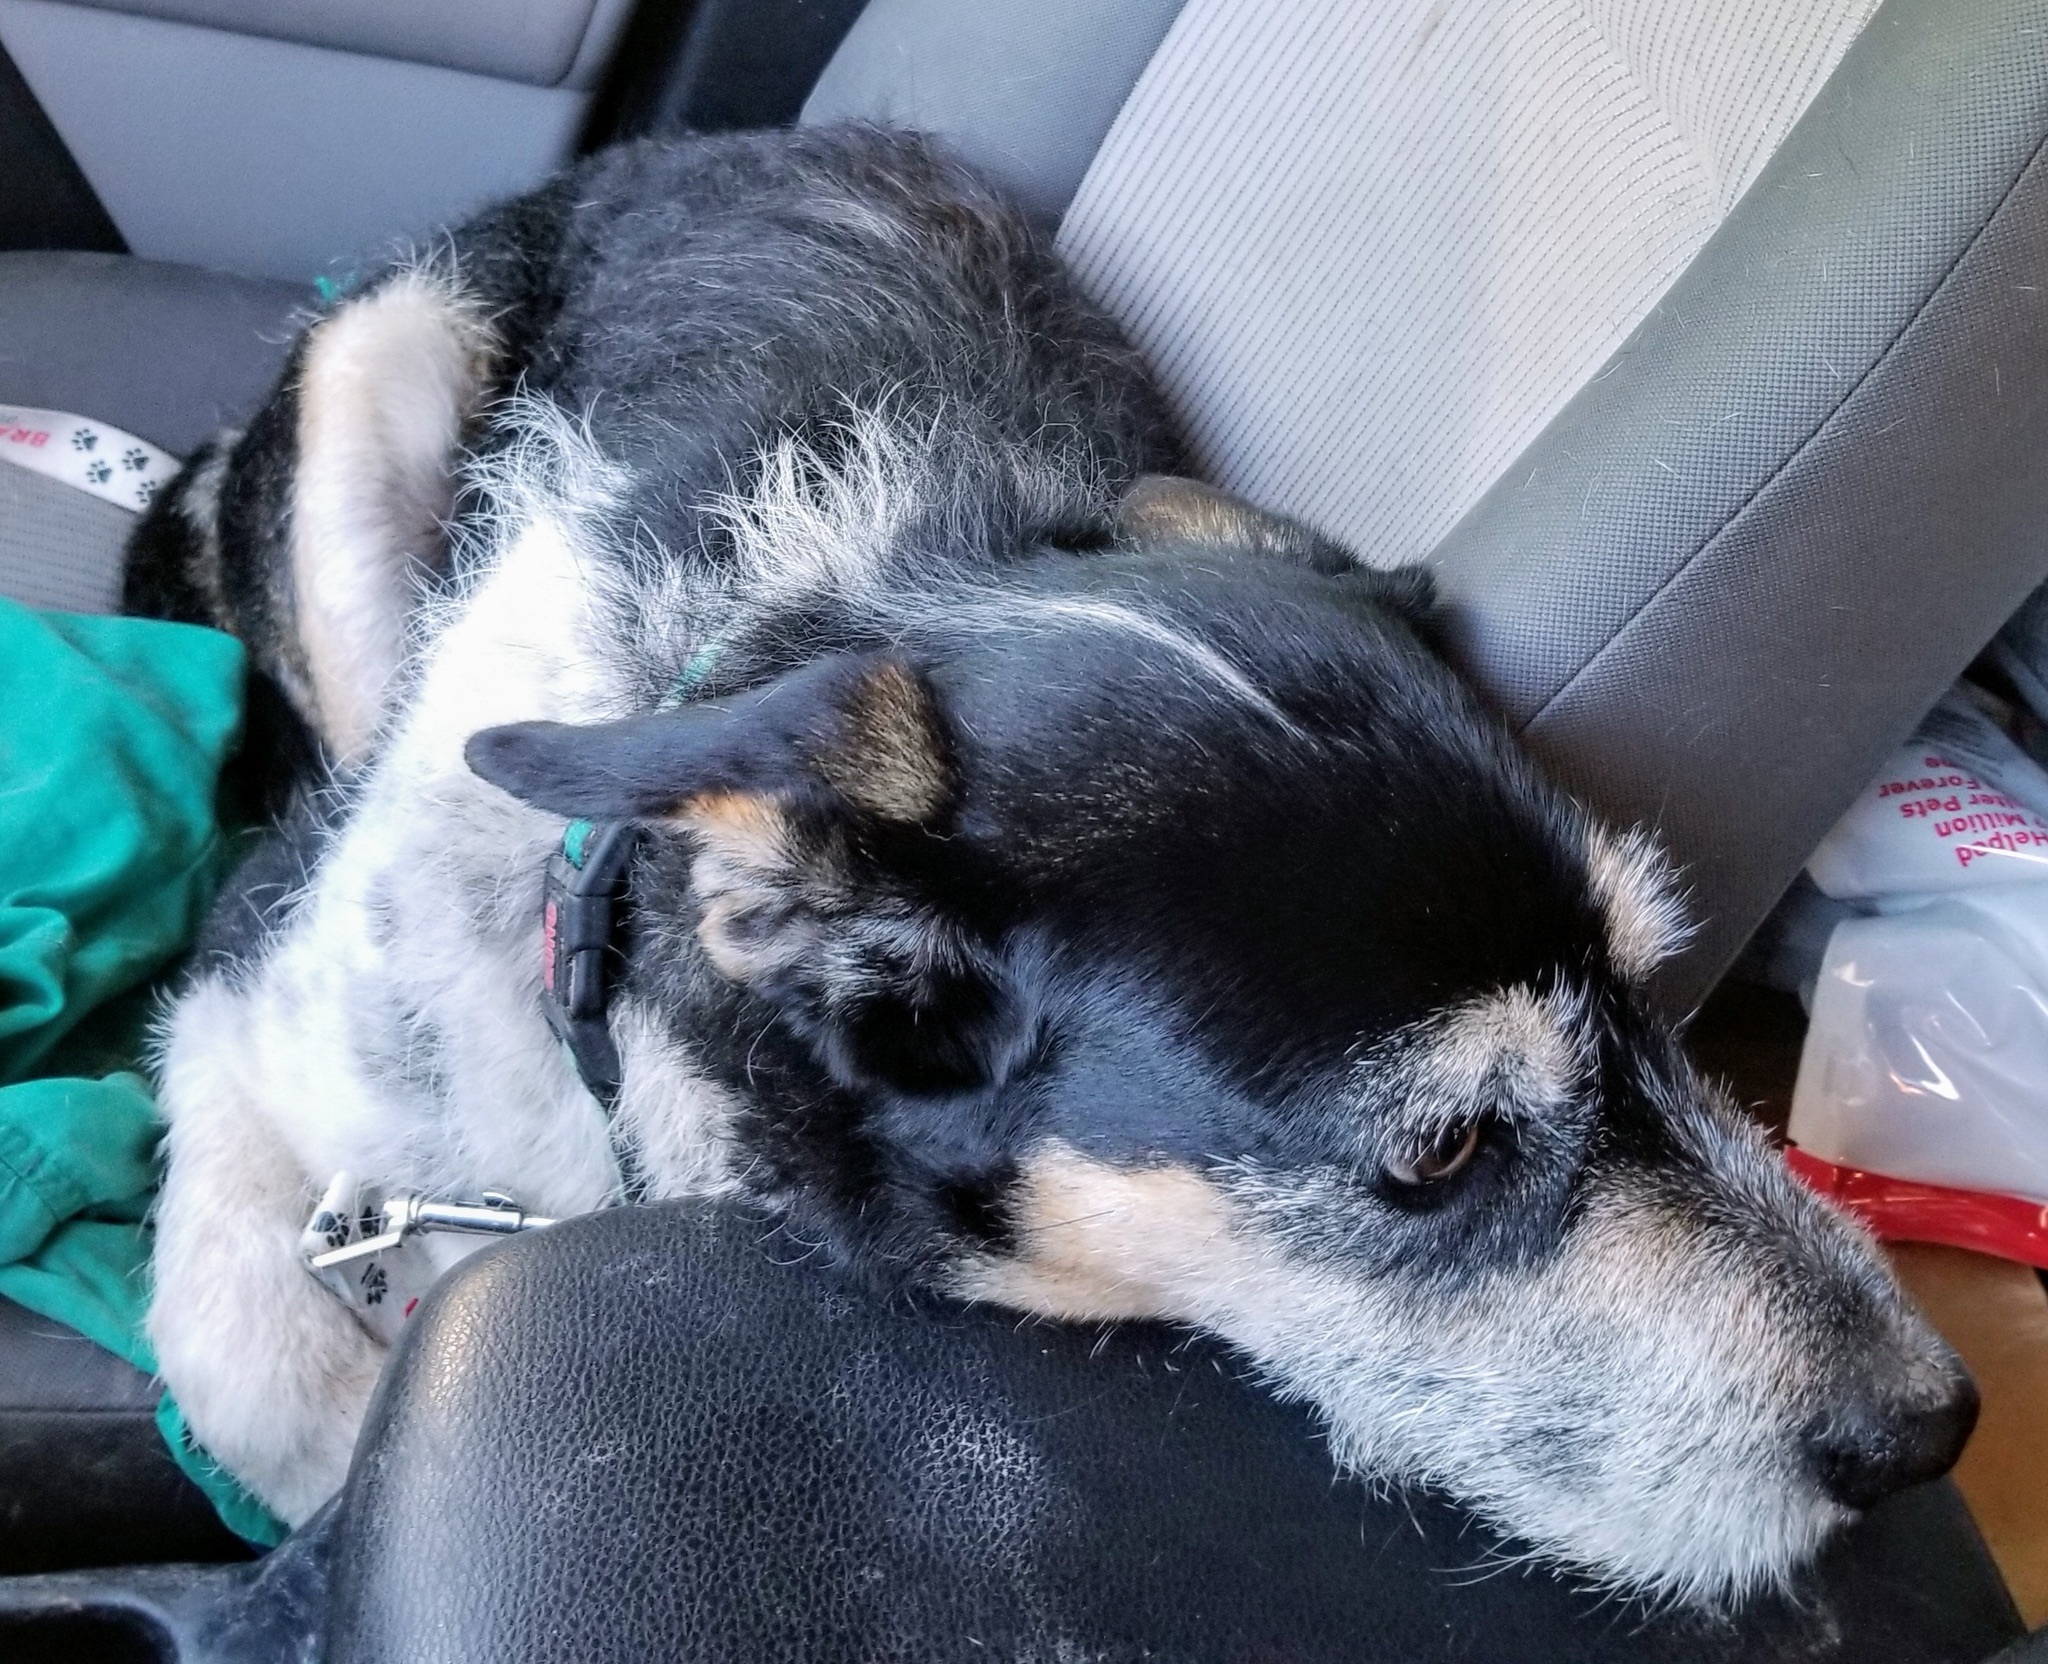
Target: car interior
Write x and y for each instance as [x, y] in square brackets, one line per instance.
[1699, 347]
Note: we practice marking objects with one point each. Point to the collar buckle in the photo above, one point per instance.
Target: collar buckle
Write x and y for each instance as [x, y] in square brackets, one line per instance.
[582, 899]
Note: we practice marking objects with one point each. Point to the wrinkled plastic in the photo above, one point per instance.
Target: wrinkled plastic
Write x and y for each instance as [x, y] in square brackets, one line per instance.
[1927, 1055]
[1904, 1210]
[1922, 1098]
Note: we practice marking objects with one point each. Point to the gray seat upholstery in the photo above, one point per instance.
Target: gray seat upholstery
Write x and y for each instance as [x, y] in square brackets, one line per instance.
[59, 548]
[1858, 367]
[165, 352]
[1025, 93]
[1744, 558]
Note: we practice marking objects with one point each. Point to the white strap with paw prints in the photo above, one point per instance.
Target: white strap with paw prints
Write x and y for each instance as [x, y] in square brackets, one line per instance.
[114, 466]
[367, 1249]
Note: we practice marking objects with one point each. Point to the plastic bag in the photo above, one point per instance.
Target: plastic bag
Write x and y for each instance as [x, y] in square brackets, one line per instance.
[1922, 1098]
[1960, 807]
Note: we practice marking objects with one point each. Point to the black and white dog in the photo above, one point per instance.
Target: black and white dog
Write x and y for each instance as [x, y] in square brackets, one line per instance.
[1055, 884]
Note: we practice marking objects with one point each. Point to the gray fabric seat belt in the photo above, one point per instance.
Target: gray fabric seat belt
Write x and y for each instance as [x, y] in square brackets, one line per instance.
[70, 489]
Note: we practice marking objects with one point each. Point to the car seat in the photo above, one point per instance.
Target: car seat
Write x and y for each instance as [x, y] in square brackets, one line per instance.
[1697, 344]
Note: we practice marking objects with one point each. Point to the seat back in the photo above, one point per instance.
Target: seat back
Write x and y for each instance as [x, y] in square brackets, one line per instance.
[1719, 421]
[1373, 250]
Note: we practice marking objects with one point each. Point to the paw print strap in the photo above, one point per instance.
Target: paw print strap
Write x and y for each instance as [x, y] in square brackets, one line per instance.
[115, 467]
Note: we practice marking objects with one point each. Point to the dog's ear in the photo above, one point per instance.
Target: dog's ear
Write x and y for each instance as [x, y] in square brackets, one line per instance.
[1168, 513]
[384, 388]
[864, 727]
[819, 808]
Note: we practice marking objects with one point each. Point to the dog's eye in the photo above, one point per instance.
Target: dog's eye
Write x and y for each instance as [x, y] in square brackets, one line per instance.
[1439, 1159]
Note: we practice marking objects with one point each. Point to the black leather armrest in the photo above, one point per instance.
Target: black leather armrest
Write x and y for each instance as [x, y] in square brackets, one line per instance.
[660, 1433]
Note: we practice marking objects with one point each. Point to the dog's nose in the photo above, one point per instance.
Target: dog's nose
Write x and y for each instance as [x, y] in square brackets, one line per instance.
[1882, 1443]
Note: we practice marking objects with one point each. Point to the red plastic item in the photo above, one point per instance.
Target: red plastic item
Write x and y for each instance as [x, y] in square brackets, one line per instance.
[1903, 1210]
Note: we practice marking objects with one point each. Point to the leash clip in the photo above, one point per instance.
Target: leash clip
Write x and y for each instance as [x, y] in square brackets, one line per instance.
[407, 1215]
[366, 1250]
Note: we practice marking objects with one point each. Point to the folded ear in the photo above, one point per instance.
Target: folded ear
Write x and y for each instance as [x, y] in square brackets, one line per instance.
[1165, 511]
[1168, 513]
[822, 875]
[864, 727]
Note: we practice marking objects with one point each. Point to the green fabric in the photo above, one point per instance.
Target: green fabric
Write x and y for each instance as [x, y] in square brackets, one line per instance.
[113, 732]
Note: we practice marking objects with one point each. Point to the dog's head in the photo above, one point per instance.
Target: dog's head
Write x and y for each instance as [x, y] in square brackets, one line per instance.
[1176, 936]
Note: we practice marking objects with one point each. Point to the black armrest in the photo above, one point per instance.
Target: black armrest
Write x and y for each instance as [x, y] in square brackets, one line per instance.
[85, 1479]
[661, 1433]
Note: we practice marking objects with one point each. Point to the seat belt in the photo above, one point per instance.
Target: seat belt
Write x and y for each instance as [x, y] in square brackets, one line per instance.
[96, 457]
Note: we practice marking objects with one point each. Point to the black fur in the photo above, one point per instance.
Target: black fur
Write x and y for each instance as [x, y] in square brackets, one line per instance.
[1123, 841]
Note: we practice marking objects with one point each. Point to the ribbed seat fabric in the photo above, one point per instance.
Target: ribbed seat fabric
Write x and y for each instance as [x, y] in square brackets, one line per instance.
[1373, 250]
[1698, 345]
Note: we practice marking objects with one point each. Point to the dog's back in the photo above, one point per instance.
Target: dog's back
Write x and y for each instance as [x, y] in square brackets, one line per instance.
[690, 414]
[824, 298]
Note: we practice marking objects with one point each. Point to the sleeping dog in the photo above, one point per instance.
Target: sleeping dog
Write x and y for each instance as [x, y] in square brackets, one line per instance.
[1036, 879]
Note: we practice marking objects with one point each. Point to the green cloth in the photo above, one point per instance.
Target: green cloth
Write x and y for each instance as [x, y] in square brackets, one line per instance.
[113, 732]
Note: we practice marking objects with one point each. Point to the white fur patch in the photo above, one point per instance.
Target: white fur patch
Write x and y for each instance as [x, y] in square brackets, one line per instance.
[386, 386]
[1636, 888]
[805, 527]
[1026, 612]
[1628, 1408]
[1517, 1048]
[281, 1413]
[679, 1124]
[1514, 1053]
[392, 1027]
